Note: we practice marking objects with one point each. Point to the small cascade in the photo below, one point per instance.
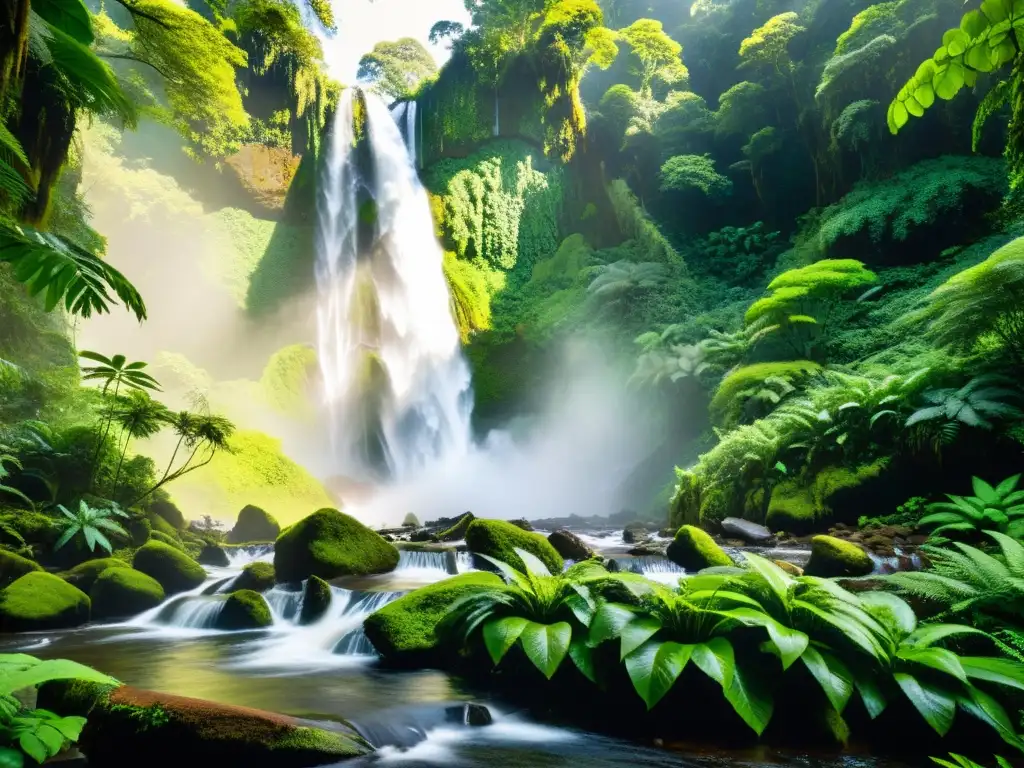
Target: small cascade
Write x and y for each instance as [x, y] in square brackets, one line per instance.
[195, 612]
[404, 115]
[441, 564]
[659, 569]
[355, 643]
[284, 603]
[239, 557]
[900, 561]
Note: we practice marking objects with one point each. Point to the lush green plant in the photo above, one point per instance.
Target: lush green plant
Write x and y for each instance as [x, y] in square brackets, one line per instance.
[992, 509]
[5, 460]
[37, 733]
[684, 173]
[746, 391]
[91, 522]
[978, 403]
[139, 416]
[657, 54]
[672, 363]
[959, 761]
[397, 69]
[909, 513]
[624, 279]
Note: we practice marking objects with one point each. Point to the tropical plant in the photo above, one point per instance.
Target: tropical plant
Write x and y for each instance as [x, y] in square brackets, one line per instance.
[657, 55]
[980, 402]
[992, 509]
[91, 522]
[674, 363]
[684, 173]
[614, 282]
[397, 68]
[547, 615]
[959, 761]
[139, 416]
[727, 350]
[37, 733]
[202, 436]
[745, 391]
[116, 372]
[11, 460]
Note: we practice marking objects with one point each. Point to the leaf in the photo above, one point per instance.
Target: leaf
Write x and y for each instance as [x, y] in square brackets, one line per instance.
[716, 660]
[936, 658]
[655, 667]
[12, 680]
[582, 656]
[33, 747]
[989, 710]
[51, 738]
[546, 645]
[608, 623]
[984, 491]
[937, 707]
[832, 675]
[871, 694]
[70, 16]
[636, 633]
[750, 700]
[930, 634]
[70, 726]
[994, 670]
[1006, 487]
[511, 574]
[774, 577]
[533, 564]
[11, 758]
[501, 634]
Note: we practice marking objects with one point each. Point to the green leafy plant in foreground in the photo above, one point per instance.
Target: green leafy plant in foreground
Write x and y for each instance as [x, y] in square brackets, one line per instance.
[89, 521]
[959, 761]
[5, 460]
[991, 509]
[37, 733]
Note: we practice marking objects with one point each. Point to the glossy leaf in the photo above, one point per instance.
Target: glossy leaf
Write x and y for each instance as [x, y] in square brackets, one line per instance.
[609, 622]
[655, 667]
[546, 645]
[501, 634]
[636, 633]
[937, 707]
[832, 675]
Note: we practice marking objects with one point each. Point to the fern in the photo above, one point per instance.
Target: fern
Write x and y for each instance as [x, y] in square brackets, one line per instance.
[997, 97]
[978, 403]
[618, 280]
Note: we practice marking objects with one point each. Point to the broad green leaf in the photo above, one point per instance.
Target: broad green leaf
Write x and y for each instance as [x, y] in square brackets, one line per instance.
[70, 16]
[546, 645]
[751, 701]
[636, 633]
[33, 747]
[788, 643]
[994, 670]
[11, 758]
[832, 675]
[655, 667]
[899, 611]
[532, 562]
[936, 658]
[501, 634]
[716, 660]
[582, 656]
[988, 710]
[984, 491]
[70, 727]
[929, 634]
[608, 623]
[871, 694]
[51, 738]
[777, 579]
[936, 706]
[44, 671]
[1006, 487]
[510, 573]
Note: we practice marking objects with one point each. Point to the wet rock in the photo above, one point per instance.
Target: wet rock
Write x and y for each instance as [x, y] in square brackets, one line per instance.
[790, 568]
[119, 593]
[634, 533]
[214, 556]
[244, 609]
[469, 714]
[39, 601]
[694, 550]
[668, 533]
[746, 530]
[833, 557]
[253, 525]
[316, 599]
[258, 576]
[499, 539]
[523, 523]
[451, 562]
[422, 535]
[569, 545]
[176, 571]
[648, 549]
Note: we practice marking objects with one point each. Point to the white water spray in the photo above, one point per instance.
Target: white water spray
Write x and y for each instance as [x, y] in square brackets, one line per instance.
[397, 386]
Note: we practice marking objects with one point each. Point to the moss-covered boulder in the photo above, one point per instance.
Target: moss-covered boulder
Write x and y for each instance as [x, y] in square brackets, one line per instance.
[569, 545]
[128, 727]
[169, 512]
[139, 530]
[316, 599]
[158, 524]
[499, 539]
[122, 592]
[14, 566]
[258, 577]
[457, 532]
[254, 525]
[19, 527]
[695, 550]
[172, 541]
[40, 600]
[213, 555]
[330, 544]
[84, 575]
[403, 632]
[244, 609]
[835, 494]
[831, 557]
[176, 571]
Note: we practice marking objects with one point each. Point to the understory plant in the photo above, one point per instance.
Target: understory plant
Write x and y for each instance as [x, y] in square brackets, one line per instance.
[90, 522]
[991, 509]
[37, 733]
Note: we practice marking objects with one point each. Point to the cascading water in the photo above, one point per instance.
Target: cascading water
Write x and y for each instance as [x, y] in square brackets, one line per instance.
[654, 568]
[404, 113]
[397, 386]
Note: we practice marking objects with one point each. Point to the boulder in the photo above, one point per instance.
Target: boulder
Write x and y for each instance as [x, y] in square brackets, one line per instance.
[832, 557]
[259, 577]
[85, 574]
[157, 523]
[39, 601]
[171, 541]
[569, 545]
[316, 599]
[253, 525]
[523, 523]
[695, 550]
[635, 533]
[169, 512]
[214, 556]
[176, 571]
[13, 567]
[244, 609]
[474, 715]
[746, 530]
[122, 592]
[128, 727]
[139, 529]
[404, 631]
[790, 568]
[457, 532]
[330, 544]
[499, 539]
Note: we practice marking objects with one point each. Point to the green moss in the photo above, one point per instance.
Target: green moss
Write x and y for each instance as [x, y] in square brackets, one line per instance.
[316, 599]
[254, 525]
[160, 525]
[329, 544]
[792, 509]
[39, 601]
[169, 512]
[85, 574]
[258, 577]
[695, 550]
[458, 531]
[122, 592]
[14, 566]
[176, 571]
[832, 557]
[172, 541]
[745, 383]
[287, 381]
[836, 495]
[499, 539]
[244, 609]
[404, 632]
[23, 526]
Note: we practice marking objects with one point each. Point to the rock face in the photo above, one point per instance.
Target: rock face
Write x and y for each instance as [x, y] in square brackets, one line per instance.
[39, 601]
[831, 557]
[569, 545]
[403, 631]
[128, 727]
[244, 609]
[14, 566]
[316, 599]
[265, 173]
[85, 574]
[746, 530]
[213, 555]
[176, 571]
[259, 577]
[499, 539]
[253, 525]
[330, 544]
[694, 550]
[122, 592]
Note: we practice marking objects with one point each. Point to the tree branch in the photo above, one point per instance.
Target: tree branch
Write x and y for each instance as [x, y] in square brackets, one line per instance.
[143, 15]
[127, 57]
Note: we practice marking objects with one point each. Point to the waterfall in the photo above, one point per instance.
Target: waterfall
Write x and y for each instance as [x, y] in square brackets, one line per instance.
[396, 384]
[652, 567]
[404, 114]
[433, 565]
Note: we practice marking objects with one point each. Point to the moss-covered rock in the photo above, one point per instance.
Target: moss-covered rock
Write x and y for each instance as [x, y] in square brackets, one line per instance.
[499, 539]
[258, 577]
[244, 609]
[694, 550]
[403, 632]
[330, 544]
[836, 493]
[159, 525]
[19, 527]
[176, 571]
[39, 601]
[139, 530]
[316, 599]
[831, 557]
[172, 541]
[457, 532]
[14, 566]
[792, 509]
[169, 512]
[128, 727]
[213, 555]
[84, 575]
[254, 525]
[122, 592]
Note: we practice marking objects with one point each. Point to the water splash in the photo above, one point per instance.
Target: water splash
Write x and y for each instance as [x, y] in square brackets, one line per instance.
[432, 566]
[659, 569]
[397, 386]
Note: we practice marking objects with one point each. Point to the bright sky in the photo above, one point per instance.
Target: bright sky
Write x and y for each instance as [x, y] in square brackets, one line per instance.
[362, 24]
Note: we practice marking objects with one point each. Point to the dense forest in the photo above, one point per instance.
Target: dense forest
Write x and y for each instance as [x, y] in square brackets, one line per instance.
[793, 230]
